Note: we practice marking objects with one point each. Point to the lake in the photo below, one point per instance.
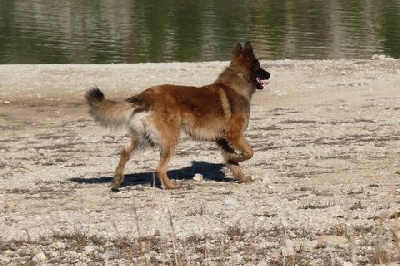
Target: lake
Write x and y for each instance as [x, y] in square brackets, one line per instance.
[137, 31]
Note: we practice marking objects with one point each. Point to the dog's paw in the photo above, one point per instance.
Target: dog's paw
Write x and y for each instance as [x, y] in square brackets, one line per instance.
[170, 185]
[245, 179]
[115, 189]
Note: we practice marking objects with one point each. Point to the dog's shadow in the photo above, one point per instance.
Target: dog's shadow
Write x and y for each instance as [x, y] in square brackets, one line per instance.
[209, 171]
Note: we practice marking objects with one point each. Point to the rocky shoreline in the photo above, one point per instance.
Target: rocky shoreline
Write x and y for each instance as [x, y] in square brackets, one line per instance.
[326, 137]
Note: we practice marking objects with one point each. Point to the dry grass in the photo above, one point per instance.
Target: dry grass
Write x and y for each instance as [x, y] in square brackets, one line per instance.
[236, 245]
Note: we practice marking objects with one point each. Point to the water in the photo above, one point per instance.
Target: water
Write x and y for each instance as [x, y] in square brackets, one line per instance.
[135, 31]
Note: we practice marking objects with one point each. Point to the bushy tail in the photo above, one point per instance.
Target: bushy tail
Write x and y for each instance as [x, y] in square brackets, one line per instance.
[108, 113]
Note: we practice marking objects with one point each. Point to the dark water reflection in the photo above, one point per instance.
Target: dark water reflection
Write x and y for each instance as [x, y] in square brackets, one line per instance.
[124, 31]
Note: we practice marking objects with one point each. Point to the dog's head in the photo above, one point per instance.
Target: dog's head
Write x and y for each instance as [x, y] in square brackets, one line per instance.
[245, 59]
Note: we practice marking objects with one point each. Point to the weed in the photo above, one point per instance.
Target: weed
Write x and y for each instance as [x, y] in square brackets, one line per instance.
[79, 239]
[357, 206]
[200, 211]
[315, 206]
[265, 214]
[235, 233]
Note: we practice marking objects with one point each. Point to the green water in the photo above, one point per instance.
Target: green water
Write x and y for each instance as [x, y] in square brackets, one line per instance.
[123, 31]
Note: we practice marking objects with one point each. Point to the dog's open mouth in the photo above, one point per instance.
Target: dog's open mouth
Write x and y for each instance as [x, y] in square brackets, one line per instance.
[262, 77]
[262, 82]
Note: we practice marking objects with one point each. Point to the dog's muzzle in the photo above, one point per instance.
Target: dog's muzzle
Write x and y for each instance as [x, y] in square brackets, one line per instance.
[262, 77]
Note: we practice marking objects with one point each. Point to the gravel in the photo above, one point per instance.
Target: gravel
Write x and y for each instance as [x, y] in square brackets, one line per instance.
[326, 171]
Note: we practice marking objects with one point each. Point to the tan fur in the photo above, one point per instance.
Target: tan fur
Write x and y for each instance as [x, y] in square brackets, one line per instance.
[217, 112]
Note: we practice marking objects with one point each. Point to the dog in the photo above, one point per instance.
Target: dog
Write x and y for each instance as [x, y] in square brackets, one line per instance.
[218, 112]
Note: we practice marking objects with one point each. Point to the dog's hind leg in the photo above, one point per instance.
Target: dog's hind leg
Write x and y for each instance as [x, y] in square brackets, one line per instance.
[125, 156]
[228, 152]
[161, 171]
[167, 150]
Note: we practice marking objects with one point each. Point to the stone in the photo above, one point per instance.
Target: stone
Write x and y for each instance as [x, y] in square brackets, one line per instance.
[39, 258]
[331, 240]
[230, 202]
[198, 177]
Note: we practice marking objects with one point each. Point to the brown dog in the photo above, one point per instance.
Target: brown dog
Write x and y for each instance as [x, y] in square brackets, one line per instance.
[217, 112]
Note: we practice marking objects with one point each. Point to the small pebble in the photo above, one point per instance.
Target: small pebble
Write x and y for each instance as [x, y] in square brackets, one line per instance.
[198, 177]
[39, 257]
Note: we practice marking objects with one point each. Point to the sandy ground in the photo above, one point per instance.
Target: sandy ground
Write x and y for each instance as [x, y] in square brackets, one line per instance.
[326, 136]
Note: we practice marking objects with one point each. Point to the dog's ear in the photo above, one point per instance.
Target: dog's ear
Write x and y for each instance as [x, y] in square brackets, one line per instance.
[238, 49]
[248, 48]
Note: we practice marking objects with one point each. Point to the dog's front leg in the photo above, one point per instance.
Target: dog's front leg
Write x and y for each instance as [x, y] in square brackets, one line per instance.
[234, 136]
[243, 150]
[228, 152]
[237, 172]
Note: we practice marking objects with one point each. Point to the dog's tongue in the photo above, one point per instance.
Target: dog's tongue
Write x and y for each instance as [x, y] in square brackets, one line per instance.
[263, 82]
